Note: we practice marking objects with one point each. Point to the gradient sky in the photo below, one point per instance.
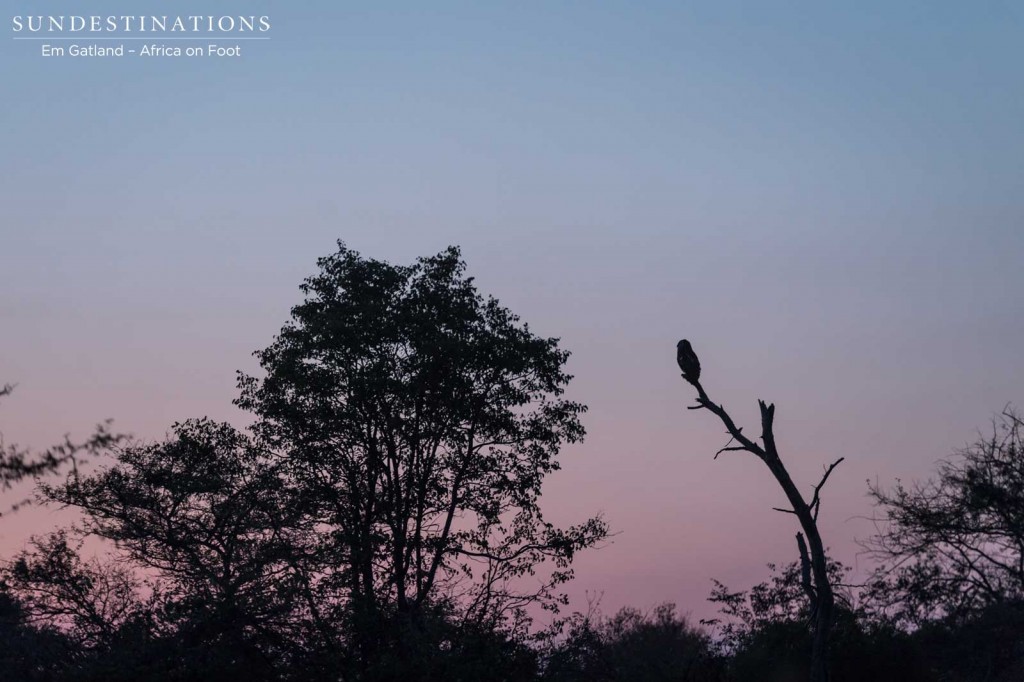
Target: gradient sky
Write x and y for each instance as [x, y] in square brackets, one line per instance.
[828, 201]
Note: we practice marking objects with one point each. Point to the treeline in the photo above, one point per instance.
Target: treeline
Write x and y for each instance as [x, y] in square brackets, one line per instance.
[380, 520]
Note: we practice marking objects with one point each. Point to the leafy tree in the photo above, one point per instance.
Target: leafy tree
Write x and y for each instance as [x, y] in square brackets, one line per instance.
[28, 652]
[439, 646]
[206, 517]
[987, 645]
[780, 599]
[953, 546]
[88, 600]
[418, 420]
[632, 645]
[765, 634]
[381, 521]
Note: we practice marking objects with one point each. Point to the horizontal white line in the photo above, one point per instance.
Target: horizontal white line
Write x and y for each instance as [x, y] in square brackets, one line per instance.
[151, 39]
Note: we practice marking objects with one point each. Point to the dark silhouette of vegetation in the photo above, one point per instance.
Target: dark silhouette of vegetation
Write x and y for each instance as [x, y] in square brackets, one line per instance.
[208, 519]
[954, 546]
[659, 646]
[28, 652]
[764, 633]
[418, 420]
[380, 521]
[18, 464]
[814, 571]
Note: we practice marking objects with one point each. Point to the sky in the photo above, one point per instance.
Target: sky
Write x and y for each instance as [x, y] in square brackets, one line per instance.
[826, 199]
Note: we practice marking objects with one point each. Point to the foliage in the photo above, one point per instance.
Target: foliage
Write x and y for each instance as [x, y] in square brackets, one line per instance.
[780, 599]
[987, 645]
[210, 521]
[659, 646]
[954, 545]
[381, 519]
[764, 633]
[418, 420]
[28, 652]
[87, 600]
[18, 463]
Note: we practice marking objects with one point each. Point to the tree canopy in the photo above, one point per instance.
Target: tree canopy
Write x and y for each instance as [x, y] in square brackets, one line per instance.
[383, 507]
[419, 420]
[954, 545]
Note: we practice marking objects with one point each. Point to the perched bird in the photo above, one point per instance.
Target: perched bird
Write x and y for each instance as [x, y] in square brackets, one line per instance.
[688, 361]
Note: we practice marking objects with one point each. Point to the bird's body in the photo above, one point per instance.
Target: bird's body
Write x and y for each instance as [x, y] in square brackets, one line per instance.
[688, 361]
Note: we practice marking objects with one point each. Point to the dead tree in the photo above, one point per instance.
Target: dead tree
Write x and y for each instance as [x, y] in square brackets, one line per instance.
[813, 562]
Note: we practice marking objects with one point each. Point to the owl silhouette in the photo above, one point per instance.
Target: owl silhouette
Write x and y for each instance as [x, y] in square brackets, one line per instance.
[688, 361]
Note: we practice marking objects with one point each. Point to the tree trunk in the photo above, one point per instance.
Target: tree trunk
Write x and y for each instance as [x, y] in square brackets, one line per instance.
[821, 596]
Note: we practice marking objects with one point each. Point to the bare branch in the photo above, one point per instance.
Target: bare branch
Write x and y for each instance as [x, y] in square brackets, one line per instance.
[816, 500]
[735, 448]
[737, 433]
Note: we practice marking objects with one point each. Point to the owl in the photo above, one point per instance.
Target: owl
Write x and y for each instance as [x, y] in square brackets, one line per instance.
[688, 361]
